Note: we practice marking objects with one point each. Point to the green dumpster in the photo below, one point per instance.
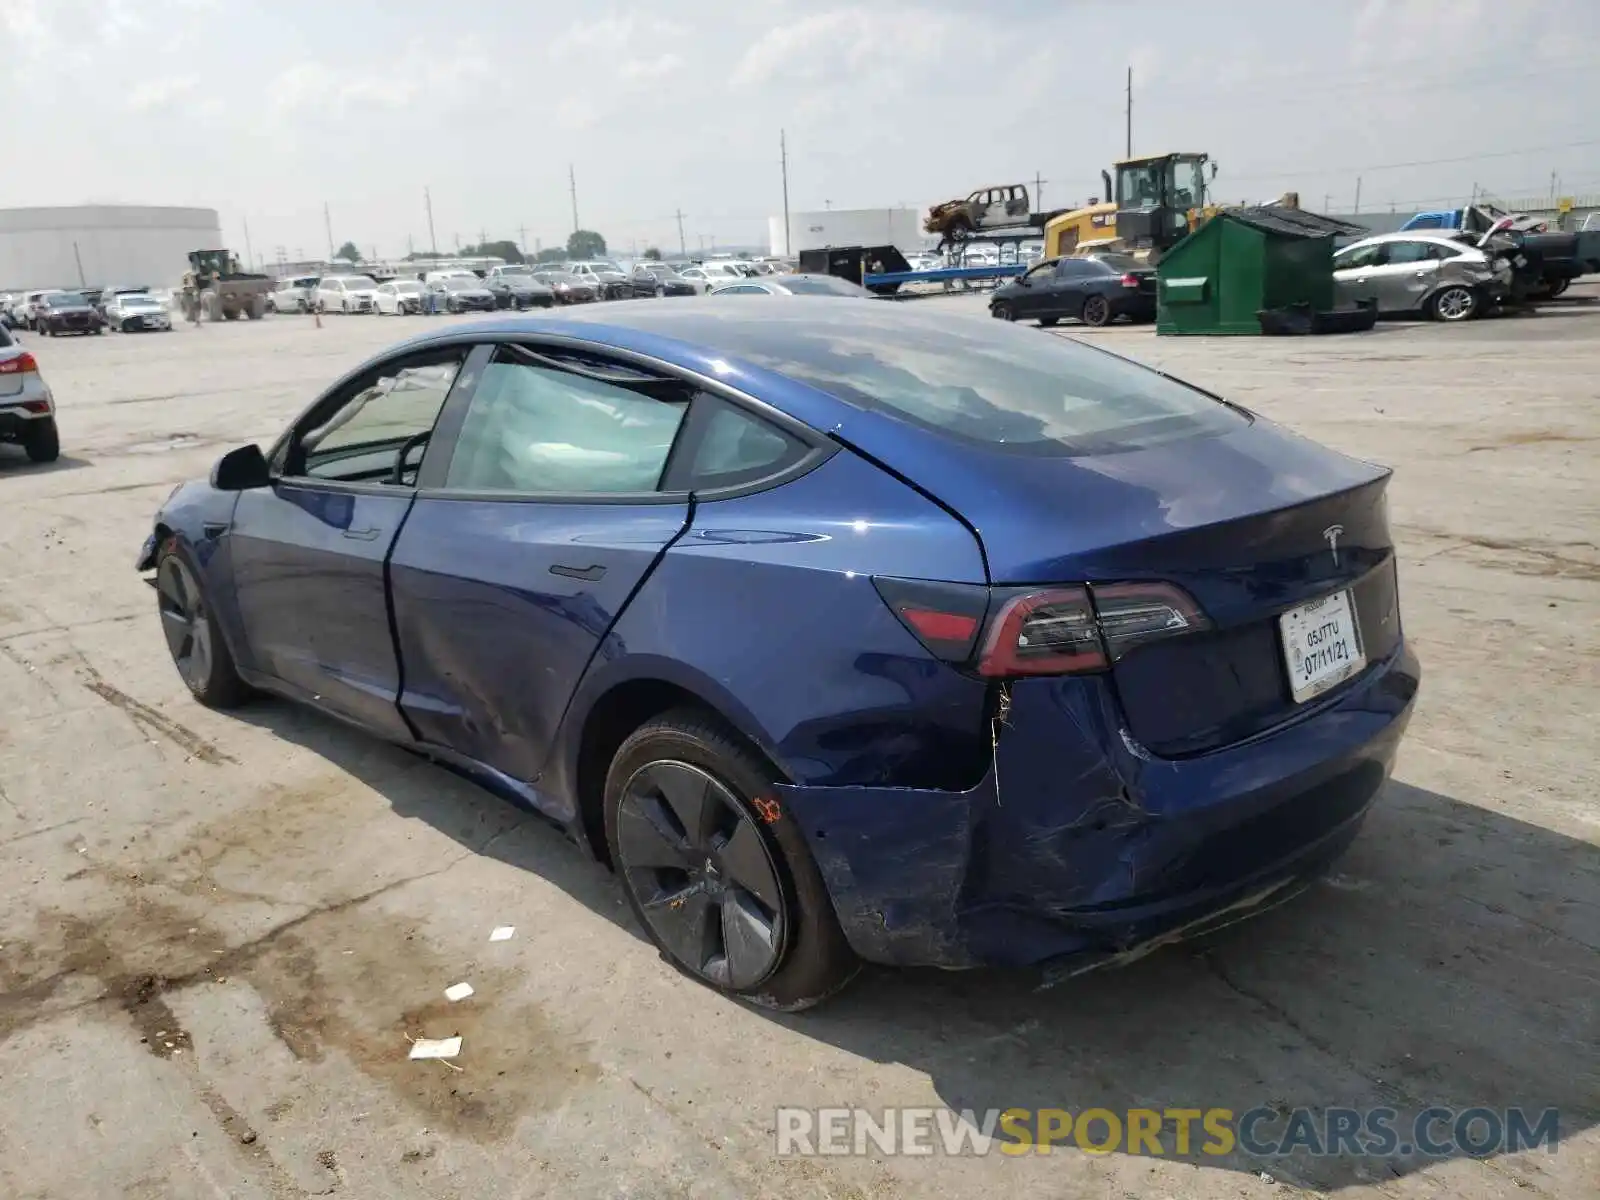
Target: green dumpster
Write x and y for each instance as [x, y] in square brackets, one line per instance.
[1244, 264]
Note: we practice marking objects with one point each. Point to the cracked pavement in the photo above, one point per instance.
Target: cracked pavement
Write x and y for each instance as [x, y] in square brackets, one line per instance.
[219, 932]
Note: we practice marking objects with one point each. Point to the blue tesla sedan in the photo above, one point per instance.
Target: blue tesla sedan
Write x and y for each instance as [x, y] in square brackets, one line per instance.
[841, 632]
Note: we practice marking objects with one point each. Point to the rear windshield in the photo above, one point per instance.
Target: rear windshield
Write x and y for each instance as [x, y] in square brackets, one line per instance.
[986, 383]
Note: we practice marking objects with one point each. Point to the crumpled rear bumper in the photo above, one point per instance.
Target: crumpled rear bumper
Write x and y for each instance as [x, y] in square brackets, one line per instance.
[1091, 848]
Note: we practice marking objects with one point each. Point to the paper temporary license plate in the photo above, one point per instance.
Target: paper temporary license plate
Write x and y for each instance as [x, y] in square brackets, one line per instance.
[1321, 645]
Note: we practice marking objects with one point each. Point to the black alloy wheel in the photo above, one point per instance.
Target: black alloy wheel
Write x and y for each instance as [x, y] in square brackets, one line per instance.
[704, 878]
[197, 648]
[1003, 312]
[1096, 311]
[185, 621]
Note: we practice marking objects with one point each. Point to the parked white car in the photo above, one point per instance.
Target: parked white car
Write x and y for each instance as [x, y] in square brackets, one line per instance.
[347, 294]
[399, 297]
[27, 409]
[22, 308]
[293, 295]
[714, 275]
[128, 311]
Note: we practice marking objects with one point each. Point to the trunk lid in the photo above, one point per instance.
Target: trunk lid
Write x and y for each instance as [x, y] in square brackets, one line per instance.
[1250, 523]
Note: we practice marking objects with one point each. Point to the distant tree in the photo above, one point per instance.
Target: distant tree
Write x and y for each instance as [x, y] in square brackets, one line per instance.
[550, 254]
[586, 243]
[349, 253]
[652, 254]
[502, 249]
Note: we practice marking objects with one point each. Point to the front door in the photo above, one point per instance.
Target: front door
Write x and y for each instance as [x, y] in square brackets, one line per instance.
[309, 552]
[521, 552]
[1355, 274]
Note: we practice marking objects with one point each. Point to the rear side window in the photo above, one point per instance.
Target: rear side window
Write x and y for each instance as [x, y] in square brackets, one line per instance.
[536, 429]
[737, 447]
[985, 383]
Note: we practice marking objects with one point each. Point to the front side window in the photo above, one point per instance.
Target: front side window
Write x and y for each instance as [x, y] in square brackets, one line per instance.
[535, 429]
[389, 411]
[1359, 256]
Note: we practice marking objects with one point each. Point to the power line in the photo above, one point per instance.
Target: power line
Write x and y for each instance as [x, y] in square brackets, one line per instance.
[1420, 162]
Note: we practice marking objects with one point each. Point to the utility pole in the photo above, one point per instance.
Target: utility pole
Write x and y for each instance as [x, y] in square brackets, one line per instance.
[1038, 191]
[433, 241]
[683, 246]
[1128, 150]
[411, 246]
[1358, 192]
[249, 254]
[482, 238]
[783, 158]
[522, 240]
[572, 183]
[327, 224]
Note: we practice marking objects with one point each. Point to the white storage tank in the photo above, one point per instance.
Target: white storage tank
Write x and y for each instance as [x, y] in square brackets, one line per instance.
[97, 245]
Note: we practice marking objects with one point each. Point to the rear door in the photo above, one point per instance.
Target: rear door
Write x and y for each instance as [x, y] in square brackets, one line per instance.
[525, 545]
[309, 551]
[1408, 274]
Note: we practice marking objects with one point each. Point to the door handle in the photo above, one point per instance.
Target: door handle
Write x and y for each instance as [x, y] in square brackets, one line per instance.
[587, 574]
[362, 535]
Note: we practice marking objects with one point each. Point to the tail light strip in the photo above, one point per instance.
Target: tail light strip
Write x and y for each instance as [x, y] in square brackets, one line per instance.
[1004, 633]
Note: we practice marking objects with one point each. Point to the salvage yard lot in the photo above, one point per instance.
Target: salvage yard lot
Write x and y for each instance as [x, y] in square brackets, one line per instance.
[219, 931]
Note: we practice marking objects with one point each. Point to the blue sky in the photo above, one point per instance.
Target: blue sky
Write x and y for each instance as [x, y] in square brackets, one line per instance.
[265, 111]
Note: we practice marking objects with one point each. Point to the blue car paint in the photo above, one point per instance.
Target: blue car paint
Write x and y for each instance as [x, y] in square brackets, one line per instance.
[493, 639]
[331, 639]
[789, 568]
[1077, 838]
[1087, 845]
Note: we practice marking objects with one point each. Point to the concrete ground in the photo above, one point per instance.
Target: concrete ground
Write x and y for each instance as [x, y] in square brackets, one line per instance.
[219, 931]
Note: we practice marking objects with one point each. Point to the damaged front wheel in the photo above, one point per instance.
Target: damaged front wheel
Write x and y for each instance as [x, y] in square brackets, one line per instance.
[719, 876]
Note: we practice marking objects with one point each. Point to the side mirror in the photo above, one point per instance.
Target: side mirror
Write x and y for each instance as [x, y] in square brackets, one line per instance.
[240, 470]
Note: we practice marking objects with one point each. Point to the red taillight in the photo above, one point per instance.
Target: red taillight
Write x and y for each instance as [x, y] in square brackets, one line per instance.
[1039, 631]
[1132, 614]
[36, 406]
[20, 364]
[1130, 281]
[1050, 632]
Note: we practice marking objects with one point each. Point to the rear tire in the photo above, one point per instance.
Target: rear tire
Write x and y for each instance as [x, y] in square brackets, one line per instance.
[193, 637]
[1453, 303]
[743, 908]
[43, 441]
[1096, 312]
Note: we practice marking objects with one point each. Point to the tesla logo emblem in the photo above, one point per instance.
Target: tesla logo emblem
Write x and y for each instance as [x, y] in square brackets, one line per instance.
[1333, 533]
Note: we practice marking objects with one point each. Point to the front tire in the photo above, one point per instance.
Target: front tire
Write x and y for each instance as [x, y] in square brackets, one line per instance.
[1002, 312]
[43, 441]
[719, 876]
[193, 637]
[1454, 303]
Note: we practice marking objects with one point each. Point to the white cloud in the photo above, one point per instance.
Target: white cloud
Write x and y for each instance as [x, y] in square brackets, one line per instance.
[641, 70]
[158, 93]
[844, 42]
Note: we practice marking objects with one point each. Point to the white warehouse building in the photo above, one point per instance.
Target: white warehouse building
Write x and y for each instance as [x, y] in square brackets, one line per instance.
[102, 244]
[901, 227]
